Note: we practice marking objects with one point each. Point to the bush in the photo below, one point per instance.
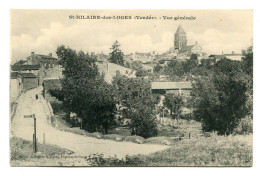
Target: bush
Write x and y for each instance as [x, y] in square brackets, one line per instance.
[162, 140]
[99, 160]
[22, 149]
[245, 126]
[57, 107]
[186, 116]
[143, 122]
[96, 135]
[135, 139]
[220, 99]
[161, 61]
[114, 137]
[123, 131]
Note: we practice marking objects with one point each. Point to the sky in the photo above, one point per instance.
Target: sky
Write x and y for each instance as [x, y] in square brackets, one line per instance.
[42, 31]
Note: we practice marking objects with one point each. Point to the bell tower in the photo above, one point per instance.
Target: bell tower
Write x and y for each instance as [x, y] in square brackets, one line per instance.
[180, 38]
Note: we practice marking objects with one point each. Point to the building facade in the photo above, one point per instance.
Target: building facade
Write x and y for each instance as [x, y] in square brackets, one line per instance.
[29, 81]
[185, 52]
[43, 60]
[234, 56]
[16, 86]
[110, 70]
[37, 70]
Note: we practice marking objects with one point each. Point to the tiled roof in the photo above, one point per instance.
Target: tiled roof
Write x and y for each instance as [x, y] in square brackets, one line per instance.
[28, 75]
[25, 67]
[53, 84]
[218, 56]
[45, 56]
[232, 54]
[20, 62]
[180, 30]
[171, 85]
[186, 48]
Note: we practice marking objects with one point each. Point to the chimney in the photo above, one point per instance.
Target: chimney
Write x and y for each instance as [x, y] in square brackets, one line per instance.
[222, 53]
[233, 52]
[32, 53]
[50, 54]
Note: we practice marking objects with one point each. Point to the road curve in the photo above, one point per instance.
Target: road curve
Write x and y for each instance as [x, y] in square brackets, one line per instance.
[81, 145]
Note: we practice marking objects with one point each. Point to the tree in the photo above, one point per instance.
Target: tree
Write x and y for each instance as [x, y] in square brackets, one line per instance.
[220, 98]
[194, 57]
[157, 68]
[131, 91]
[174, 103]
[138, 66]
[208, 63]
[135, 95]
[116, 56]
[135, 65]
[143, 122]
[248, 60]
[162, 61]
[127, 64]
[141, 73]
[84, 90]
[190, 64]
[175, 68]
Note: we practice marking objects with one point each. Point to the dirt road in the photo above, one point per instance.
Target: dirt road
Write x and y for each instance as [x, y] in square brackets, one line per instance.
[81, 145]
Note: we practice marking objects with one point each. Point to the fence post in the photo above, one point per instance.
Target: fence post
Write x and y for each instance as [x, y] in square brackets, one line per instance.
[35, 139]
[36, 145]
[33, 143]
[189, 135]
[43, 142]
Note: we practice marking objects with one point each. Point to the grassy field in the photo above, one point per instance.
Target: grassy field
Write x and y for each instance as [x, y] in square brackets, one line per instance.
[198, 151]
[180, 128]
[217, 151]
[22, 155]
[213, 151]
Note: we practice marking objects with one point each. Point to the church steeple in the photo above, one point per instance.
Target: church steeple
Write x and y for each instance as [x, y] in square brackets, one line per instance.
[180, 38]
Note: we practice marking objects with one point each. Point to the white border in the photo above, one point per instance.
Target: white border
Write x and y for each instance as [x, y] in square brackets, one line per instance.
[117, 4]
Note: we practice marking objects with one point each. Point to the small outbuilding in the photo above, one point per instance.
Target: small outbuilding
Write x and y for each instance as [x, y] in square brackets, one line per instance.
[182, 88]
[16, 86]
[29, 80]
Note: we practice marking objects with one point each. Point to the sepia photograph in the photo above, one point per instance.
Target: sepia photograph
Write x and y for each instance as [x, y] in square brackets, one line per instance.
[131, 88]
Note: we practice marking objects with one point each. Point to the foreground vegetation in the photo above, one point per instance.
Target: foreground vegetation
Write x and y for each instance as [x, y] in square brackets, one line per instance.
[221, 96]
[168, 134]
[221, 101]
[21, 154]
[213, 151]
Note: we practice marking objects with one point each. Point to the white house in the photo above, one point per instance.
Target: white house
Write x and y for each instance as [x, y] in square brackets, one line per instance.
[110, 70]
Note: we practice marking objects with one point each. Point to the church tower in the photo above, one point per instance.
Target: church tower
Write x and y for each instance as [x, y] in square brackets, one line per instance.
[180, 38]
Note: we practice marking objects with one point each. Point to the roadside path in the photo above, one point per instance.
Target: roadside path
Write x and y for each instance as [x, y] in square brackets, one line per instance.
[81, 145]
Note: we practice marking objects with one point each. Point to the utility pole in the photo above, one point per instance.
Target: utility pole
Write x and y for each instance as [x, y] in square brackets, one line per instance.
[34, 134]
[35, 138]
